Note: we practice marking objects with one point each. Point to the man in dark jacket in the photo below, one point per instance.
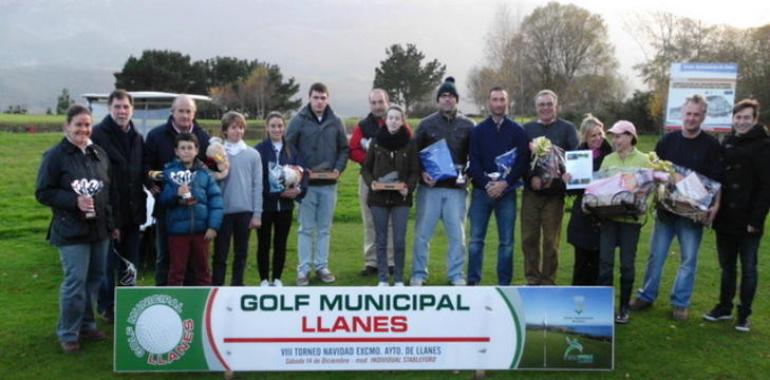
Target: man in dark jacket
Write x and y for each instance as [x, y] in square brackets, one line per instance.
[319, 137]
[159, 150]
[745, 202]
[124, 146]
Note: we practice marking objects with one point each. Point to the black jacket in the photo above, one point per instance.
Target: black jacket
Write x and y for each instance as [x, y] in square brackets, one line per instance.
[394, 153]
[456, 131]
[273, 202]
[583, 229]
[746, 182]
[63, 164]
[127, 174]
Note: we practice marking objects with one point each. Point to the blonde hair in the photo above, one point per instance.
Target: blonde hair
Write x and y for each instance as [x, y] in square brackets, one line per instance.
[587, 126]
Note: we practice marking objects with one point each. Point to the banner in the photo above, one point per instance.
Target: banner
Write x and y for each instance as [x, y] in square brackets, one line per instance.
[363, 328]
[714, 81]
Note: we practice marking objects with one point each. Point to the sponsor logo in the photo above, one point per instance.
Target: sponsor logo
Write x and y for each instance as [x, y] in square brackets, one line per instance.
[579, 357]
[157, 332]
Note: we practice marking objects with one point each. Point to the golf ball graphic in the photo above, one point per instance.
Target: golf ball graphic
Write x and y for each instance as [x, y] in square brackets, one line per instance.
[159, 329]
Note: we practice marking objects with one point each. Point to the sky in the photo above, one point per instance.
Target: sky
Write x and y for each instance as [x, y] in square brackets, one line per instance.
[339, 42]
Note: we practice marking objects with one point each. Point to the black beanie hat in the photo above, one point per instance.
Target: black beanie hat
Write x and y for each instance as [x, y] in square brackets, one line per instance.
[448, 86]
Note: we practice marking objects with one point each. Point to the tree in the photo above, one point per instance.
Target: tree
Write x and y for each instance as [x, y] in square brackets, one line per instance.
[163, 70]
[63, 101]
[404, 77]
[261, 91]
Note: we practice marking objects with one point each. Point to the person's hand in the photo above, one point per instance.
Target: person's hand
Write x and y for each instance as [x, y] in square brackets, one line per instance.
[371, 187]
[566, 177]
[336, 173]
[116, 235]
[750, 229]
[495, 189]
[210, 234]
[290, 193]
[182, 190]
[428, 179]
[86, 203]
[255, 223]
[404, 192]
[711, 214]
[536, 183]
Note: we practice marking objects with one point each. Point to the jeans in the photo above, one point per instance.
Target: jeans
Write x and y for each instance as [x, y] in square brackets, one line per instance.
[128, 247]
[316, 212]
[235, 226]
[83, 266]
[449, 206]
[505, 214]
[280, 222]
[541, 216]
[689, 235]
[383, 218]
[370, 251]
[730, 248]
[626, 236]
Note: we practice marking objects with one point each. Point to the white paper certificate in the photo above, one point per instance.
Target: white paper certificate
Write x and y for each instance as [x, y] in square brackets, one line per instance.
[579, 164]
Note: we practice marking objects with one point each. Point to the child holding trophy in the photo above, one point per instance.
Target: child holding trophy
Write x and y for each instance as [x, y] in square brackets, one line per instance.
[194, 210]
[391, 170]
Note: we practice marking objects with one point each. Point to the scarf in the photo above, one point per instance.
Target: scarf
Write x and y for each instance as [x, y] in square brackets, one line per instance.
[234, 148]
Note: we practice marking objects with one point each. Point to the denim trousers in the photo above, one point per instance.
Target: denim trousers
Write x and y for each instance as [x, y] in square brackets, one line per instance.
[235, 226]
[316, 212]
[83, 266]
[128, 247]
[383, 218]
[689, 234]
[731, 248]
[479, 213]
[370, 251]
[625, 236]
[447, 205]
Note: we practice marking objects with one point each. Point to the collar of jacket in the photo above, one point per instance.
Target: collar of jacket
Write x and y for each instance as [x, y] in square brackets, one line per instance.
[70, 148]
[171, 130]
[113, 127]
[310, 115]
[758, 131]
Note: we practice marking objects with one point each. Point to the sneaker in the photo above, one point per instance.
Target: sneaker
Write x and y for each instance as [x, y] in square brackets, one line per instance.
[398, 284]
[382, 284]
[303, 279]
[416, 282]
[622, 317]
[639, 304]
[743, 325]
[325, 275]
[368, 271]
[680, 313]
[70, 347]
[277, 283]
[718, 314]
[459, 282]
[93, 335]
[264, 283]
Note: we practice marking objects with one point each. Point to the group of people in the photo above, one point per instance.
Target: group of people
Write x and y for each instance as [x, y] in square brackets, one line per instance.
[198, 202]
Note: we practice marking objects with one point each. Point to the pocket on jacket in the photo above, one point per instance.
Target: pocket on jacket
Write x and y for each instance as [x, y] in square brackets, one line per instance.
[70, 228]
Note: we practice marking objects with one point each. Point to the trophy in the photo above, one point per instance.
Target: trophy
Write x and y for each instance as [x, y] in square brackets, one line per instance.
[184, 178]
[322, 171]
[389, 182]
[460, 181]
[88, 188]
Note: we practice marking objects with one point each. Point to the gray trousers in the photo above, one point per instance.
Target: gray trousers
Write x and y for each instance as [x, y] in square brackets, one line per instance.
[397, 217]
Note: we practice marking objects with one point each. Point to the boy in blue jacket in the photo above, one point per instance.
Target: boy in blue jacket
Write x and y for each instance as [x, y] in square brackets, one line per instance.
[194, 212]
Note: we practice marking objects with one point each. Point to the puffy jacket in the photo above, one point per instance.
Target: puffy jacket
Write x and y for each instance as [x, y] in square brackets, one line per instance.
[746, 182]
[207, 212]
[272, 201]
[61, 165]
[456, 131]
[322, 145]
[129, 201]
[383, 158]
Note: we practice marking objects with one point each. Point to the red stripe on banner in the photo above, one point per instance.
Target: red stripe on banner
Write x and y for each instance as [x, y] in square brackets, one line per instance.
[469, 339]
[212, 342]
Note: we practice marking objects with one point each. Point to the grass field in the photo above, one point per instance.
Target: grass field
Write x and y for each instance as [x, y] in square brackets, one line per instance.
[652, 346]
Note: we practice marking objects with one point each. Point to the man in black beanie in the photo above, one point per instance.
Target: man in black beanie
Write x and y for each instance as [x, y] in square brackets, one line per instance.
[443, 199]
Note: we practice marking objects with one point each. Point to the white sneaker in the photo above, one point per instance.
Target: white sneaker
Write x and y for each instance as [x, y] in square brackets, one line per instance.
[382, 284]
[399, 284]
[277, 283]
[416, 282]
[459, 282]
[264, 283]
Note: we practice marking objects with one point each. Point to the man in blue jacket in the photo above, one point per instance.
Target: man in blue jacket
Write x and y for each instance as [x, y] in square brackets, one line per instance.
[494, 190]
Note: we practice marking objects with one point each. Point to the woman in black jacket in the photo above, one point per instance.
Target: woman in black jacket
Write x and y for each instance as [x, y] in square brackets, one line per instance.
[81, 224]
[391, 170]
[583, 229]
[744, 205]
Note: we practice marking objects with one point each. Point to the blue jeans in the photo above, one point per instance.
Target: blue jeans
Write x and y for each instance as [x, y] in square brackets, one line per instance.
[385, 219]
[316, 212]
[83, 266]
[689, 235]
[128, 247]
[505, 215]
[449, 206]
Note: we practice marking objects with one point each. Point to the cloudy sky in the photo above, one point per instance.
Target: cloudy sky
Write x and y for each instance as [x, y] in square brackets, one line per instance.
[46, 45]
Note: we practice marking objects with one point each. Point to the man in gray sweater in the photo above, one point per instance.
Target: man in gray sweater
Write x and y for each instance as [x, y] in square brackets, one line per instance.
[319, 137]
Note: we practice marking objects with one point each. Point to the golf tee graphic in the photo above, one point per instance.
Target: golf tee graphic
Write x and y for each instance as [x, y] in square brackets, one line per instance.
[360, 328]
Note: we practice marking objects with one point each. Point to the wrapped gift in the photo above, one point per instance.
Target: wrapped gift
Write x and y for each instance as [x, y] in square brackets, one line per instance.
[436, 160]
[686, 193]
[618, 193]
[547, 159]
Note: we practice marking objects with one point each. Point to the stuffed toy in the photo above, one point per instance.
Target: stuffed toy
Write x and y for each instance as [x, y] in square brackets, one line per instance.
[216, 159]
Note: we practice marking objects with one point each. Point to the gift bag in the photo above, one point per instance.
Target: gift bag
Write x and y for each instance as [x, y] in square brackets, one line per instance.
[437, 161]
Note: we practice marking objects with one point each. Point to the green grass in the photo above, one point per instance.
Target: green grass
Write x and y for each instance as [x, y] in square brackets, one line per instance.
[652, 346]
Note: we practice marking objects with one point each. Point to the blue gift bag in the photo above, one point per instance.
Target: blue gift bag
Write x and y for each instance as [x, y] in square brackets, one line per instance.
[437, 161]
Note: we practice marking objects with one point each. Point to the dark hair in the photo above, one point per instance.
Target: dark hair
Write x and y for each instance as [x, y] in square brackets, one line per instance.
[184, 136]
[497, 88]
[318, 87]
[76, 109]
[230, 118]
[275, 114]
[747, 103]
[120, 94]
